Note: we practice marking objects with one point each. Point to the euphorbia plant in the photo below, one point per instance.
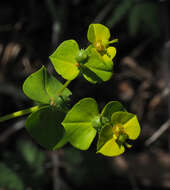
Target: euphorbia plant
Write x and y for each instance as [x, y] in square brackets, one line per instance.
[52, 124]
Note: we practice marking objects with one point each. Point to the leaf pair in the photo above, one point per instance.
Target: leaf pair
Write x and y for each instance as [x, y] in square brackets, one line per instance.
[83, 122]
[44, 125]
[68, 60]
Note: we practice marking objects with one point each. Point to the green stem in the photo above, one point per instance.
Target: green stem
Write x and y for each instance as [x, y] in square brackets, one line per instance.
[113, 41]
[32, 109]
[21, 113]
[63, 87]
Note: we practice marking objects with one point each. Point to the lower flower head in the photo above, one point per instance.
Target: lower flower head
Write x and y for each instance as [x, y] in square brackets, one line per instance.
[114, 137]
[119, 134]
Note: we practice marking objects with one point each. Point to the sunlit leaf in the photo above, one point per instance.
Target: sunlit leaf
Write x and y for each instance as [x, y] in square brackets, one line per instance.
[132, 128]
[96, 69]
[98, 32]
[34, 86]
[111, 148]
[110, 54]
[43, 87]
[78, 123]
[64, 59]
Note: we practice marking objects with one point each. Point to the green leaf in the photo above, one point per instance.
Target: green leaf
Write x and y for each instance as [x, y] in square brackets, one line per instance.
[64, 59]
[78, 123]
[130, 123]
[9, 179]
[31, 154]
[96, 69]
[132, 128]
[134, 22]
[45, 127]
[105, 134]
[147, 15]
[98, 32]
[110, 108]
[34, 86]
[119, 12]
[52, 86]
[62, 142]
[121, 117]
[43, 87]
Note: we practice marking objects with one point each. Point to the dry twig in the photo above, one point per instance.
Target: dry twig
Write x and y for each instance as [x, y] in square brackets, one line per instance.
[13, 129]
[158, 133]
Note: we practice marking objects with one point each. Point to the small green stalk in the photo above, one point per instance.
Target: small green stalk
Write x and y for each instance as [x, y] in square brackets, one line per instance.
[32, 109]
[21, 112]
[59, 93]
[113, 41]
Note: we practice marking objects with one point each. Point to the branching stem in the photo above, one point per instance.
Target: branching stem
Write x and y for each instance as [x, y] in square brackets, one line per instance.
[31, 109]
[60, 91]
[21, 112]
[113, 41]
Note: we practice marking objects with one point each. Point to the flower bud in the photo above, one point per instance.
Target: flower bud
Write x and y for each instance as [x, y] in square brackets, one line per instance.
[81, 56]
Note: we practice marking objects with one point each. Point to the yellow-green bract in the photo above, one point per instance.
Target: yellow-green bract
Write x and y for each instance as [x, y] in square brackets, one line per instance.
[78, 123]
[114, 135]
[99, 35]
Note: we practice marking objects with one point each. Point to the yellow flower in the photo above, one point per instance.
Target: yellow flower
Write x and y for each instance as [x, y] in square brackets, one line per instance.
[98, 35]
[113, 136]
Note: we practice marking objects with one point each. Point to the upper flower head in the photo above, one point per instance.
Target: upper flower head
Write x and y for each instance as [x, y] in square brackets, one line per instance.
[99, 36]
[94, 62]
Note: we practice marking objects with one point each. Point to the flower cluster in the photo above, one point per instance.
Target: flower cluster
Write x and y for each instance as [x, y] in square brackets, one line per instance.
[52, 124]
[115, 126]
[95, 62]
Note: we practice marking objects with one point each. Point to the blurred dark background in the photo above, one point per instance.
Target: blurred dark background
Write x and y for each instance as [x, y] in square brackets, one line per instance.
[29, 32]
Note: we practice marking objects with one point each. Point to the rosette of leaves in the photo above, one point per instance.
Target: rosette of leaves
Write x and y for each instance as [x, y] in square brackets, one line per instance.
[44, 125]
[114, 126]
[96, 66]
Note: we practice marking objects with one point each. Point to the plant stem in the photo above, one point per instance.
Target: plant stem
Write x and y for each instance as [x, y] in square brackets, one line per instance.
[32, 109]
[21, 112]
[113, 41]
[63, 87]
